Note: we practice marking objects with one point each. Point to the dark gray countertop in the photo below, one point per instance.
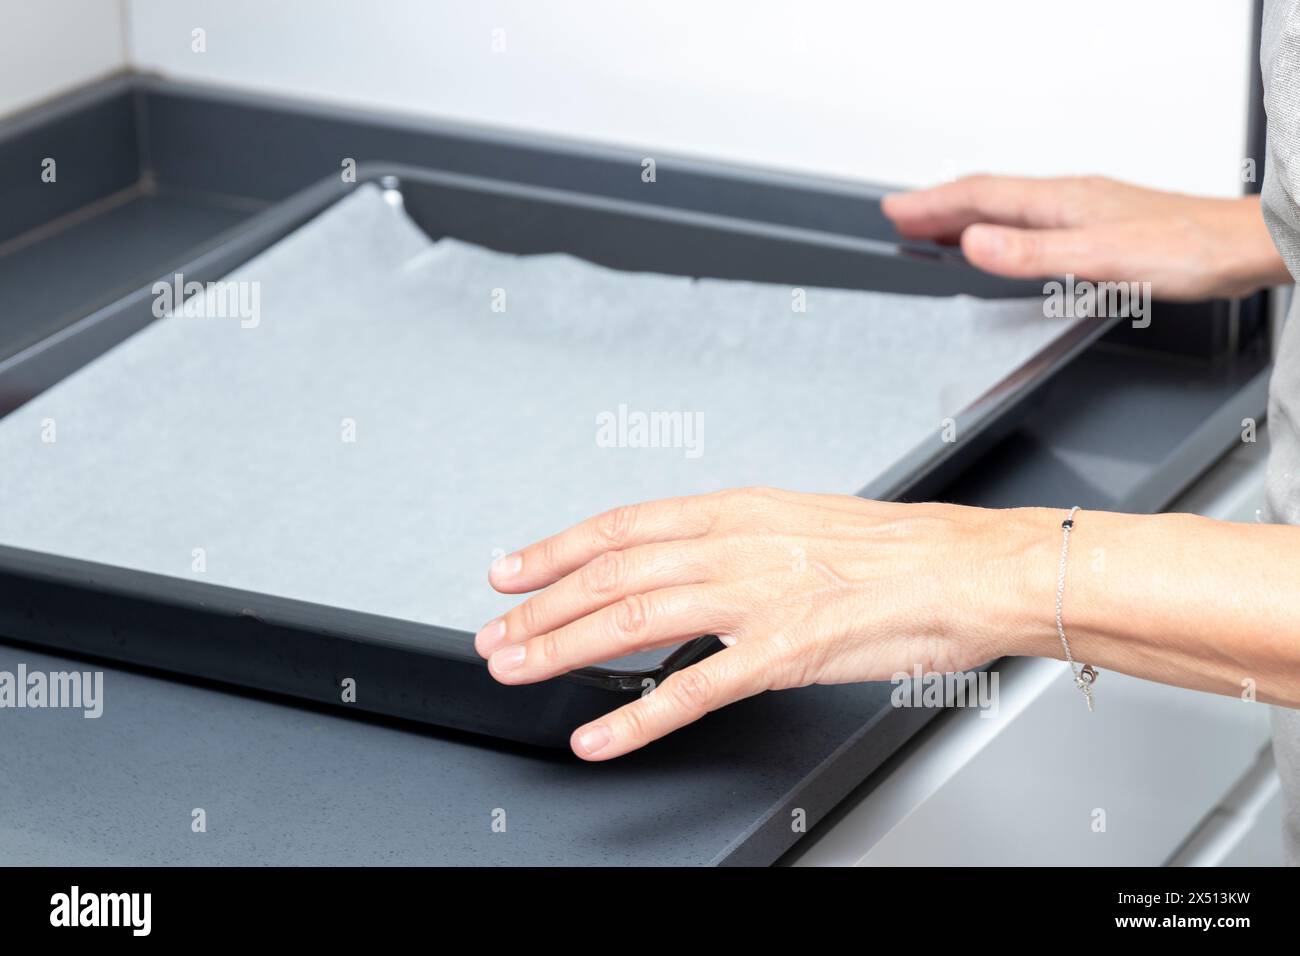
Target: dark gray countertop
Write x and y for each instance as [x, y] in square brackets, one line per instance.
[282, 784]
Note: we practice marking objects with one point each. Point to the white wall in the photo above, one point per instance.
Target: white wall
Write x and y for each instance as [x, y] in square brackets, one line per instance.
[50, 46]
[894, 91]
[887, 90]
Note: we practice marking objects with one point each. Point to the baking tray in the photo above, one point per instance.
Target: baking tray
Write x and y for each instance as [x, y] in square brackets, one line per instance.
[1119, 430]
[306, 650]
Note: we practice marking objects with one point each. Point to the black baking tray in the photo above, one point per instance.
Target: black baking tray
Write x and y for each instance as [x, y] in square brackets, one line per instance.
[301, 649]
[291, 647]
[153, 171]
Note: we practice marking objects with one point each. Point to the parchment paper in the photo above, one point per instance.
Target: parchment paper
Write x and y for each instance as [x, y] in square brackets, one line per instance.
[204, 449]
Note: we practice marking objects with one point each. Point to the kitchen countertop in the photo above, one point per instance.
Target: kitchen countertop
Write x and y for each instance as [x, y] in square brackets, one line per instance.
[282, 782]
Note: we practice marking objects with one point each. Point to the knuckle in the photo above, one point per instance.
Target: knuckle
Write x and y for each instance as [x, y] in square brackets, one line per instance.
[636, 721]
[614, 528]
[730, 496]
[530, 617]
[549, 649]
[725, 507]
[706, 513]
[714, 513]
[743, 503]
[754, 510]
[1024, 250]
[631, 616]
[605, 574]
[1075, 197]
[1076, 188]
[794, 661]
[550, 553]
[784, 647]
[690, 689]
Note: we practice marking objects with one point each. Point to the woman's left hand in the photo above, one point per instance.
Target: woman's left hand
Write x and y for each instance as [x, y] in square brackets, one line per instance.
[803, 588]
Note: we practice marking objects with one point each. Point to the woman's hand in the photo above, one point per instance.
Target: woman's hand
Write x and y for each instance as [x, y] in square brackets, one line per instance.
[830, 589]
[1187, 247]
[804, 588]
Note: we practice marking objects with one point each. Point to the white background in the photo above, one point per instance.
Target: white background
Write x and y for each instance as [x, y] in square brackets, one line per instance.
[47, 47]
[898, 92]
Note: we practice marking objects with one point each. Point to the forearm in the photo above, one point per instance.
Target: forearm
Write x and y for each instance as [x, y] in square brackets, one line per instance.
[1176, 598]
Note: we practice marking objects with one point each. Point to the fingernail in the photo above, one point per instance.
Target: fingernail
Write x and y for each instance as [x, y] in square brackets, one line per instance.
[507, 567]
[593, 739]
[508, 658]
[493, 633]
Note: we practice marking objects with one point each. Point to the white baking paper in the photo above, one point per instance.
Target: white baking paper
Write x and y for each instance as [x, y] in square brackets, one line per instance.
[399, 411]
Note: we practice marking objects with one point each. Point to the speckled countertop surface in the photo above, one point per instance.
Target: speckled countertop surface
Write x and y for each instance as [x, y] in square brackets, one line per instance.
[281, 784]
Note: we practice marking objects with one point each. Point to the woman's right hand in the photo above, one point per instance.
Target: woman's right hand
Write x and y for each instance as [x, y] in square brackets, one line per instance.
[1187, 247]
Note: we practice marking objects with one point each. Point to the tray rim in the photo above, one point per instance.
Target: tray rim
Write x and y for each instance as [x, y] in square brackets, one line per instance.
[236, 245]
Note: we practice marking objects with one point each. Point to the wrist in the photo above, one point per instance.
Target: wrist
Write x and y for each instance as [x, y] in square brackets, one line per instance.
[1101, 600]
[998, 600]
[1248, 260]
[1018, 581]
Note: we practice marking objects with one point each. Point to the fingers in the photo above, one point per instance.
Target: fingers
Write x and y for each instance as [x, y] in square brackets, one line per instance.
[1034, 253]
[548, 560]
[686, 696]
[942, 212]
[637, 622]
[604, 580]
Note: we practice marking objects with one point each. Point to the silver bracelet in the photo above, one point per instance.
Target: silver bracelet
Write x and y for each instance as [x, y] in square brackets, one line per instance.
[1083, 676]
